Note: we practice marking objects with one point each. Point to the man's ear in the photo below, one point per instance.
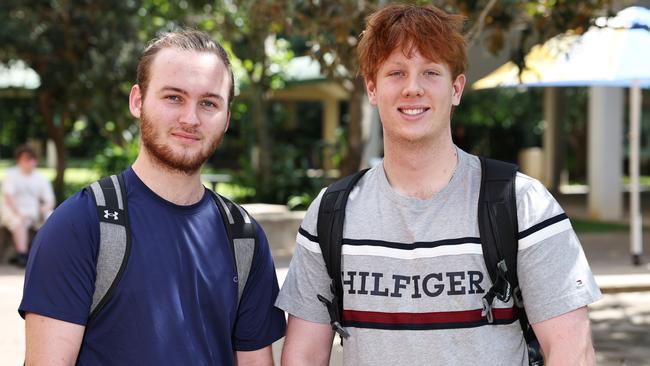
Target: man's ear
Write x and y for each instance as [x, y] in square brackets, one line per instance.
[135, 101]
[227, 122]
[371, 90]
[458, 86]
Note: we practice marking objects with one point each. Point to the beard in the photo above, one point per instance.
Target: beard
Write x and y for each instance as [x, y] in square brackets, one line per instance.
[186, 161]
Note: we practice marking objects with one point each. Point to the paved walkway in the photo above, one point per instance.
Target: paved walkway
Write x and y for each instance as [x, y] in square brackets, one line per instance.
[620, 326]
[12, 327]
[609, 253]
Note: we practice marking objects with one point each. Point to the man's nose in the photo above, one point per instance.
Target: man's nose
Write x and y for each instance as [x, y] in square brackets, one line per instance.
[190, 115]
[413, 87]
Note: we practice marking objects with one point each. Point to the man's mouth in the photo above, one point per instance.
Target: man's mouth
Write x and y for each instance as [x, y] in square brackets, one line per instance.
[186, 136]
[413, 111]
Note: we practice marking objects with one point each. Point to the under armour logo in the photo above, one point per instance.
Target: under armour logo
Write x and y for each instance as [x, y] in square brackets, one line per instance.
[108, 214]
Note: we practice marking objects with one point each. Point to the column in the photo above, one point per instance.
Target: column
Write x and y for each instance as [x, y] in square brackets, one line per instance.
[605, 153]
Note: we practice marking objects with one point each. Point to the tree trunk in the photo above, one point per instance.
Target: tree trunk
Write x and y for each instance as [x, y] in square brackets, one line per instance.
[263, 140]
[352, 159]
[57, 135]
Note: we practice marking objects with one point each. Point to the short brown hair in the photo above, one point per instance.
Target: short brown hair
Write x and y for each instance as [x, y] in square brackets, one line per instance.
[25, 150]
[187, 40]
[427, 29]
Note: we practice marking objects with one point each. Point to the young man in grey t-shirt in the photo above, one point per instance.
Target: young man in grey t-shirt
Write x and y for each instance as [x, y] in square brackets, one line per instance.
[412, 264]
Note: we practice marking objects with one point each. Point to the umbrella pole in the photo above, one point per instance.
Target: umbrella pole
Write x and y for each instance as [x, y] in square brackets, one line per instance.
[636, 240]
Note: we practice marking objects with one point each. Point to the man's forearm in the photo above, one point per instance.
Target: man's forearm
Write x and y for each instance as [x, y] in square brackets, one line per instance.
[11, 204]
[571, 354]
[260, 357]
[51, 341]
[566, 339]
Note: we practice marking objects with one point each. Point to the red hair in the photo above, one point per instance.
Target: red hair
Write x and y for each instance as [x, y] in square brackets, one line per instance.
[427, 29]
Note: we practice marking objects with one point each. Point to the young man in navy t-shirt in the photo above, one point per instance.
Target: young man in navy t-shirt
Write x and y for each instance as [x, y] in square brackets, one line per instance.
[176, 302]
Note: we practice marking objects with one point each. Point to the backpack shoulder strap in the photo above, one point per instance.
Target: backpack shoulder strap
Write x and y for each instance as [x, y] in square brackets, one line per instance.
[331, 217]
[497, 218]
[242, 235]
[114, 238]
[499, 230]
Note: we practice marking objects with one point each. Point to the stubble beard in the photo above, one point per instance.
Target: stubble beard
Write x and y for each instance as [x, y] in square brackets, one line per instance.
[165, 157]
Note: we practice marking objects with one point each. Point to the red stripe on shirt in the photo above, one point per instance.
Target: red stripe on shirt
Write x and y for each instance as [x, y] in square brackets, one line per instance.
[426, 318]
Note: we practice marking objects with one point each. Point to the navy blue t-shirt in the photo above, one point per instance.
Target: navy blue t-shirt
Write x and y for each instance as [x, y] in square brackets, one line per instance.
[176, 302]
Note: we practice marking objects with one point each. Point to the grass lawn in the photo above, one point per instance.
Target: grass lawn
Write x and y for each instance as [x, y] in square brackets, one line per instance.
[591, 226]
[78, 177]
[81, 175]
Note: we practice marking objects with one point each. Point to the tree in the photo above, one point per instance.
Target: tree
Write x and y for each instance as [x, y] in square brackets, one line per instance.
[332, 29]
[248, 26]
[533, 22]
[83, 52]
[249, 29]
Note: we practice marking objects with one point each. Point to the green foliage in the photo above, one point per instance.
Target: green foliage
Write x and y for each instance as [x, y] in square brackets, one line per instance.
[75, 179]
[83, 51]
[575, 128]
[234, 191]
[290, 178]
[499, 122]
[19, 122]
[300, 202]
[116, 158]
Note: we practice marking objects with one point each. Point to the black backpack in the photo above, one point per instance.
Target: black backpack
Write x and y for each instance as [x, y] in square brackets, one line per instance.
[497, 220]
[115, 238]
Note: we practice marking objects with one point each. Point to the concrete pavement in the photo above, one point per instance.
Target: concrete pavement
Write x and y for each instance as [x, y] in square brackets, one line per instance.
[620, 325]
[12, 327]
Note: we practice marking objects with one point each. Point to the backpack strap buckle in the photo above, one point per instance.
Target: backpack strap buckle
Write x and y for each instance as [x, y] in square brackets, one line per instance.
[335, 315]
[501, 289]
[487, 307]
[518, 297]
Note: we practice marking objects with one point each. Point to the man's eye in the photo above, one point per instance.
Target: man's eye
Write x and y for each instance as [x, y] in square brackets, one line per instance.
[208, 104]
[173, 98]
[396, 73]
[431, 73]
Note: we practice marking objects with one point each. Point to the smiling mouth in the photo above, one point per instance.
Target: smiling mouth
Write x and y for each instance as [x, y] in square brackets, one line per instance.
[412, 111]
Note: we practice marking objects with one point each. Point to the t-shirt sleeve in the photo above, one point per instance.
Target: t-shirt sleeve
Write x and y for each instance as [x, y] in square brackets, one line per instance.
[259, 322]
[60, 275]
[8, 183]
[553, 272]
[46, 192]
[307, 276]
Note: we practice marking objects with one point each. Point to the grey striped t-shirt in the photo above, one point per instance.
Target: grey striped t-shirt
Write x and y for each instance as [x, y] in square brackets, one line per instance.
[414, 274]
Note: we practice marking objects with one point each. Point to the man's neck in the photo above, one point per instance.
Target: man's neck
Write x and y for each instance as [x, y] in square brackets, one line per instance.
[420, 170]
[174, 186]
[24, 170]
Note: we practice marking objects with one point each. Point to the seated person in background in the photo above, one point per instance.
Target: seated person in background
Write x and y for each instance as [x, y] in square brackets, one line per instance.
[27, 201]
